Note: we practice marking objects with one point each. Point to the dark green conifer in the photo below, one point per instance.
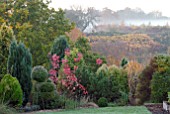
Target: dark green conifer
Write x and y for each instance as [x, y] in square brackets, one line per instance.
[20, 66]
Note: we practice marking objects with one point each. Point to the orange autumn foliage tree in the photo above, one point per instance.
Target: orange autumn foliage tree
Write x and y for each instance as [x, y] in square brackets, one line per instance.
[133, 69]
[74, 34]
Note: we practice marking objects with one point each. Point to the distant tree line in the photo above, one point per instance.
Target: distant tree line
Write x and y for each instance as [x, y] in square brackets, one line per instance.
[91, 17]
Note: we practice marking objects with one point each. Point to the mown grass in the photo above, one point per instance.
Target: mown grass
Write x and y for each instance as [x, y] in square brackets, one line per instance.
[107, 110]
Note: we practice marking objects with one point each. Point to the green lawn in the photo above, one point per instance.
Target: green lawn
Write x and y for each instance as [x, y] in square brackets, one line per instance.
[108, 110]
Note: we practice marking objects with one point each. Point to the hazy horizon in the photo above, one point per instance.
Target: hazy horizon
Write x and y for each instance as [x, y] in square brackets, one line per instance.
[146, 5]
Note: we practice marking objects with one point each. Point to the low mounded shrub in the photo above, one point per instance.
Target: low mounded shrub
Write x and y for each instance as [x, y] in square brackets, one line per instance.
[109, 82]
[160, 86]
[10, 91]
[161, 79]
[102, 102]
[39, 74]
[57, 102]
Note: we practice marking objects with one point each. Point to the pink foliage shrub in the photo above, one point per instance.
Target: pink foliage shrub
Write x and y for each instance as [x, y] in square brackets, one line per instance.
[68, 79]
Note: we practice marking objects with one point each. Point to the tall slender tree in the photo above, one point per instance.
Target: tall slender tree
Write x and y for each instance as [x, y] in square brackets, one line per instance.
[6, 34]
[20, 66]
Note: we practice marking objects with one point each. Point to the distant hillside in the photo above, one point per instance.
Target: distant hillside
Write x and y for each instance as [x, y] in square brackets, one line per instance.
[159, 34]
[138, 47]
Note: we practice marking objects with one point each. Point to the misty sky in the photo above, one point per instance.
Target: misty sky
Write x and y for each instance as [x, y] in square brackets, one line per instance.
[146, 5]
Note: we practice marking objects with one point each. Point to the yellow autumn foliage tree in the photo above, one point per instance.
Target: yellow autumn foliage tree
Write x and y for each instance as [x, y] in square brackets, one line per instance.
[133, 69]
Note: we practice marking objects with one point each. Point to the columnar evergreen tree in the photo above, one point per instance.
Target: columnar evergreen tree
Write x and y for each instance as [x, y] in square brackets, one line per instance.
[20, 66]
[59, 46]
[6, 34]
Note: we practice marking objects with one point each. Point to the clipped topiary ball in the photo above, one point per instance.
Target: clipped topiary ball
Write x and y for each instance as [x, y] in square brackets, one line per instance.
[102, 102]
[39, 73]
[47, 87]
